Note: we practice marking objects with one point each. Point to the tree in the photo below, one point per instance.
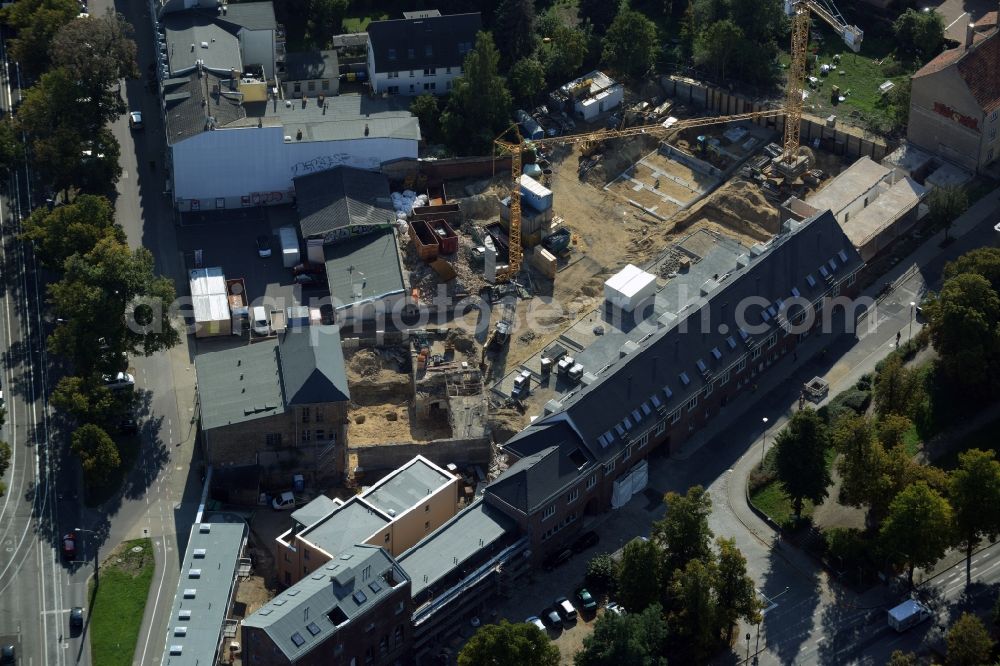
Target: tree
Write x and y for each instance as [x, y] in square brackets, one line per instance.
[975, 499]
[326, 18]
[565, 54]
[917, 531]
[514, 24]
[969, 643]
[36, 22]
[97, 451]
[479, 107]
[734, 589]
[946, 203]
[507, 644]
[639, 575]
[963, 327]
[527, 79]
[984, 261]
[892, 430]
[11, 150]
[716, 46]
[602, 572]
[84, 399]
[919, 33]
[693, 622]
[630, 45]
[599, 13]
[900, 658]
[800, 459]
[425, 108]
[683, 532]
[5, 454]
[897, 107]
[71, 229]
[898, 389]
[634, 639]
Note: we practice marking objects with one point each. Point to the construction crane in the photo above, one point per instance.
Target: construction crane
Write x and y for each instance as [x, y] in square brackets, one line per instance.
[790, 163]
[514, 148]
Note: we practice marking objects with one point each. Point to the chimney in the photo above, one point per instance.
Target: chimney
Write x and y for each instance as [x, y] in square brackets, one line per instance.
[970, 31]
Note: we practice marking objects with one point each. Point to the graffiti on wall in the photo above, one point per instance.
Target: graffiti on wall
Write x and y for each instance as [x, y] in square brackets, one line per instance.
[961, 118]
[262, 198]
[324, 162]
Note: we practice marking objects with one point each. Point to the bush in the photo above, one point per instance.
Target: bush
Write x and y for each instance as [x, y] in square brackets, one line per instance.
[851, 402]
[847, 546]
[866, 382]
[602, 572]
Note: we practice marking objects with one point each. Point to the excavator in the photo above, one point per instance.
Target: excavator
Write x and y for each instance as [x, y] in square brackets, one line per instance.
[790, 163]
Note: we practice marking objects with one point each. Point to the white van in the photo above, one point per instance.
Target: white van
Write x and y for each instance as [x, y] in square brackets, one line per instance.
[260, 321]
[283, 502]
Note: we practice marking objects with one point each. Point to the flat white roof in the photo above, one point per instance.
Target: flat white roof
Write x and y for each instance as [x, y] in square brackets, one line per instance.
[847, 186]
[629, 280]
[532, 185]
[209, 299]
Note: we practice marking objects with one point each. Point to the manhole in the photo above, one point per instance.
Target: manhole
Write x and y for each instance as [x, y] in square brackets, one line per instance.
[118, 560]
[137, 549]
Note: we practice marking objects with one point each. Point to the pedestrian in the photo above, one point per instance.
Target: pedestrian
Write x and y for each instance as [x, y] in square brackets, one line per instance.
[899, 335]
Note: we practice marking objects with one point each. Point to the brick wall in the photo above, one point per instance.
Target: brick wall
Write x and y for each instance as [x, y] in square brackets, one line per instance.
[440, 452]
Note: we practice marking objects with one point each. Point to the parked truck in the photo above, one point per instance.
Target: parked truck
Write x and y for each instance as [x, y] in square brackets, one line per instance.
[290, 255]
[908, 614]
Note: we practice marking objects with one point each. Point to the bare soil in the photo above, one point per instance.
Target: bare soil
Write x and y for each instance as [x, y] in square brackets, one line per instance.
[391, 423]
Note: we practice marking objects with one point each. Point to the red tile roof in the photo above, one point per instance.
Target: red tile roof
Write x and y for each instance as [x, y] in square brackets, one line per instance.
[941, 61]
[988, 19]
[979, 67]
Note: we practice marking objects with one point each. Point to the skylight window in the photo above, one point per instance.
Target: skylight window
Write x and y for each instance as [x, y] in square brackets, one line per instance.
[374, 587]
[359, 597]
[627, 423]
[619, 429]
[811, 280]
[313, 628]
[765, 314]
[298, 639]
[744, 335]
[832, 264]
[795, 292]
[701, 365]
[655, 400]
[716, 353]
[823, 271]
[636, 416]
[843, 256]
[731, 341]
[646, 409]
[685, 379]
[667, 392]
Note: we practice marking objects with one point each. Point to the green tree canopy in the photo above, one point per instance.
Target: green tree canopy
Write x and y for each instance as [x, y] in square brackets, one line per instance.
[97, 452]
[326, 18]
[694, 621]
[71, 229]
[36, 22]
[5, 454]
[565, 53]
[84, 399]
[898, 389]
[425, 108]
[11, 149]
[507, 644]
[735, 591]
[900, 658]
[630, 45]
[718, 47]
[599, 13]
[479, 108]
[800, 459]
[964, 329]
[639, 575]
[602, 573]
[919, 33]
[946, 204]
[918, 529]
[975, 498]
[683, 532]
[514, 25]
[984, 261]
[749, 37]
[527, 80]
[635, 639]
[969, 642]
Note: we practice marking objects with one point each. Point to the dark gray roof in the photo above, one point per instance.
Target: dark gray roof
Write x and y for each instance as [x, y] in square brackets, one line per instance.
[636, 383]
[253, 381]
[312, 366]
[550, 456]
[377, 270]
[185, 114]
[450, 546]
[249, 15]
[184, 30]
[301, 614]
[353, 523]
[342, 197]
[315, 510]
[209, 568]
[305, 65]
[406, 487]
[345, 117]
[435, 41]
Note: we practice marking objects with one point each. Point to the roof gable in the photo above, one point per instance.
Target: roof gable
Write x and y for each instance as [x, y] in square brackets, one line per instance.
[342, 197]
[312, 366]
[980, 69]
[433, 41]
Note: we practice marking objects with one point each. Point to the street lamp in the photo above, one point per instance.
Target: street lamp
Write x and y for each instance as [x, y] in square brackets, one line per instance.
[763, 442]
[913, 308]
[80, 530]
[748, 646]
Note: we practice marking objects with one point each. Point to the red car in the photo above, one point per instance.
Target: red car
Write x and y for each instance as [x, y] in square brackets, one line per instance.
[69, 546]
[309, 269]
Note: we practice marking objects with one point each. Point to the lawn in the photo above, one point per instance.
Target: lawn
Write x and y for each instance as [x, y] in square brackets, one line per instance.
[117, 601]
[771, 499]
[128, 448]
[360, 23]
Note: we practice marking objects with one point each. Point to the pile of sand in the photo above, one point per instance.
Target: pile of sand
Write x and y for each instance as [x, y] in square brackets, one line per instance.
[364, 363]
[738, 207]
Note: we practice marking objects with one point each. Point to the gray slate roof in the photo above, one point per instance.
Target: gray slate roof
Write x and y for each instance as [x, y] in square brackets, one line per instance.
[422, 42]
[634, 384]
[351, 524]
[450, 546]
[405, 488]
[342, 197]
[305, 65]
[214, 553]
[317, 509]
[253, 381]
[184, 29]
[375, 255]
[250, 15]
[332, 586]
[346, 117]
[185, 114]
[312, 366]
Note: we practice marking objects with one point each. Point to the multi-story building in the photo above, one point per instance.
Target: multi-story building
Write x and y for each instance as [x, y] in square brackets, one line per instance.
[955, 101]
[420, 54]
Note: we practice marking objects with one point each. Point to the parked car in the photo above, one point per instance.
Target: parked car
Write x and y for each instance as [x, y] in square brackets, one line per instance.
[310, 280]
[259, 321]
[585, 541]
[557, 558]
[566, 610]
[585, 600]
[69, 546]
[615, 607]
[308, 268]
[283, 502]
[537, 621]
[551, 619]
[135, 120]
[76, 618]
[128, 426]
[263, 246]
[122, 380]
[8, 655]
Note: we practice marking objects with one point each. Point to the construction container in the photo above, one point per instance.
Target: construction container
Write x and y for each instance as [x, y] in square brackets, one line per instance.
[210, 302]
[424, 240]
[535, 194]
[501, 241]
[532, 222]
[629, 287]
[530, 128]
[446, 237]
[544, 261]
[290, 254]
[449, 212]
[236, 292]
[564, 364]
[557, 242]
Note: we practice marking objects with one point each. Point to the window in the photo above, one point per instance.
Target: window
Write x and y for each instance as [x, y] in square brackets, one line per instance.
[298, 87]
[755, 353]
[836, 290]
[548, 511]
[993, 133]
[592, 481]
[392, 90]
[993, 117]
[725, 379]
[412, 73]
[609, 467]
[430, 86]
[397, 636]
[391, 54]
[411, 88]
[628, 452]
[320, 435]
[399, 607]
[325, 84]
[305, 554]
[318, 415]
[660, 427]
[573, 496]
[989, 155]
[311, 86]
[771, 341]
[392, 75]
[675, 416]
[642, 441]
[428, 50]
[306, 436]
[447, 85]
[430, 71]
[298, 639]
[313, 628]
[427, 525]
[742, 365]
[447, 70]
[850, 279]
[273, 439]
[383, 646]
[410, 53]
[692, 403]
[305, 415]
[387, 538]
[708, 389]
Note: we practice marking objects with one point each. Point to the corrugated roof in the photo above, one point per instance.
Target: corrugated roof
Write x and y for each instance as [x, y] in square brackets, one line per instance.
[299, 619]
[450, 546]
[312, 366]
[342, 197]
[435, 41]
[376, 273]
[207, 575]
[302, 66]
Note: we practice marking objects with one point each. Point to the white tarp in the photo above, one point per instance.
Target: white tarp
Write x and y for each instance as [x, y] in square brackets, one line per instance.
[628, 485]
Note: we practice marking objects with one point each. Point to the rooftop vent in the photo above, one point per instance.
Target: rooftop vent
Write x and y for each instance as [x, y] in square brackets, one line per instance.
[175, 650]
[205, 528]
[180, 631]
[199, 553]
[184, 615]
[190, 593]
